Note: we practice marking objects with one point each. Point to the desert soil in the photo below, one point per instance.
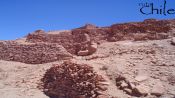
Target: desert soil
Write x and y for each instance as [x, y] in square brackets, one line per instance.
[146, 63]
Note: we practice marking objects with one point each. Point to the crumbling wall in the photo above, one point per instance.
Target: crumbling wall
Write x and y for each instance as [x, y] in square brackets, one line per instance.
[36, 53]
[74, 40]
[151, 29]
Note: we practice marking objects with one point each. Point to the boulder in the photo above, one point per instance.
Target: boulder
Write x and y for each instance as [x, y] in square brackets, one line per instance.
[83, 53]
[87, 37]
[123, 84]
[92, 48]
[131, 86]
[158, 89]
[128, 91]
[141, 90]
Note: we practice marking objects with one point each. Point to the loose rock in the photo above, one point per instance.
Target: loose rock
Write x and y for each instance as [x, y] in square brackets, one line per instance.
[173, 41]
[141, 78]
[79, 80]
[102, 96]
[92, 48]
[158, 89]
[141, 90]
[124, 84]
[128, 91]
[83, 53]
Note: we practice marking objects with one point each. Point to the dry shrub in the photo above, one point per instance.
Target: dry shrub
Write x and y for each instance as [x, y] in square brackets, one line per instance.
[70, 80]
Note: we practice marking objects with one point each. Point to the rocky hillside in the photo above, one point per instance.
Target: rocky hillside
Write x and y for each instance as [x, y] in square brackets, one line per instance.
[130, 60]
[150, 29]
[44, 47]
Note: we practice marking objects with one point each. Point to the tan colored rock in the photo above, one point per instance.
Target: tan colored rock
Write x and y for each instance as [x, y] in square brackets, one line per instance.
[103, 88]
[92, 48]
[124, 84]
[141, 78]
[101, 92]
[83, 53]
[105, 83]
[87, 37]
[127, 90]
[132, 86]
[173, 41]
[158, 89]
[142, 90]
[102, 96]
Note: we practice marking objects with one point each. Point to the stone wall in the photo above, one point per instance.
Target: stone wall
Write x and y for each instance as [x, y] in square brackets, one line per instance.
[36, 53]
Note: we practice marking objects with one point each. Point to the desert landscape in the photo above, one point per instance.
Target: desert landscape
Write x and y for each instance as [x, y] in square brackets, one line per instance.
[129, 60]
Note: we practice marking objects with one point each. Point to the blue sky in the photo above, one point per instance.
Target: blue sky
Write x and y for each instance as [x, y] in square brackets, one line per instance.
[20, 17]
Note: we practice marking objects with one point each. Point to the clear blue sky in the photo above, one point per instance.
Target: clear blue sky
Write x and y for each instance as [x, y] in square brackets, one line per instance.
[19, 17]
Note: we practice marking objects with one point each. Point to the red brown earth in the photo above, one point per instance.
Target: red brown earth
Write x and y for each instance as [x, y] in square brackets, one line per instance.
[137, 60]
[71, 40]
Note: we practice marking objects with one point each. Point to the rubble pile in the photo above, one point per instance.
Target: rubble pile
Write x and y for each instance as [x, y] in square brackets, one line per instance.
[36, 53]
[138, 88]
[130, 88]
[71, 80]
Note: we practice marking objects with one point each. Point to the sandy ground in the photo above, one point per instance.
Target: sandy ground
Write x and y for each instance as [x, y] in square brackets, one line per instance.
[154, 60]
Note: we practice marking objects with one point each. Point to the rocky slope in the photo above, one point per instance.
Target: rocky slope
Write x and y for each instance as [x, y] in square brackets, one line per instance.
[137, 60]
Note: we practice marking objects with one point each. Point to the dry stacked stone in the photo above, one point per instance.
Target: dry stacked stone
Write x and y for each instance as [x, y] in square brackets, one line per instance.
[35, 53]
[150, 29]
[73, 40]
[71, 80]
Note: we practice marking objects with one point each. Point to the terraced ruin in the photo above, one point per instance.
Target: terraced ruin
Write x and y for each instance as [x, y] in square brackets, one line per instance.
[129, 60]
